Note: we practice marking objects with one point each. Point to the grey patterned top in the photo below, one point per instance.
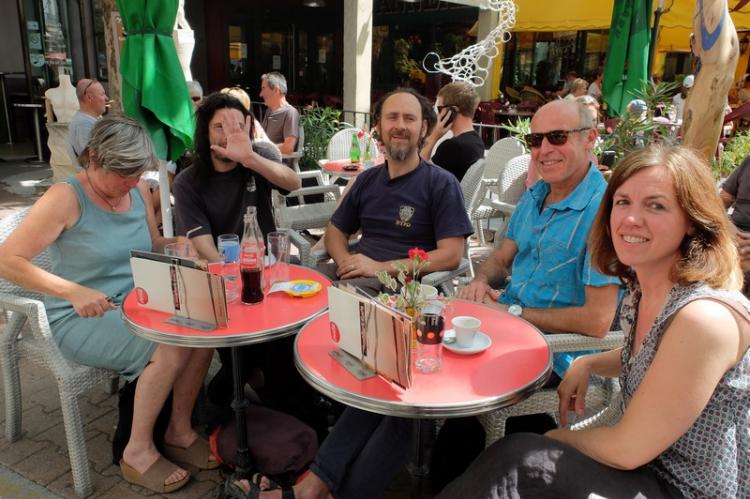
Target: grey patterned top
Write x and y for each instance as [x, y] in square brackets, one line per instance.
[712, 459]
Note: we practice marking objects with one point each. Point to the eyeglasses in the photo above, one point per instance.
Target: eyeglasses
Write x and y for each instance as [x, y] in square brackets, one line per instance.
[555, 137]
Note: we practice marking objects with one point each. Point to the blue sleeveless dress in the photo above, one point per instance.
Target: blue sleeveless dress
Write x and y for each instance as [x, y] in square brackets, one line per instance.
[95, 252]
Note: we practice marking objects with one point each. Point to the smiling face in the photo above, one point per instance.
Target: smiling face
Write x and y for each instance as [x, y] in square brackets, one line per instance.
[563, 166]
[647, 222]
[401, 126]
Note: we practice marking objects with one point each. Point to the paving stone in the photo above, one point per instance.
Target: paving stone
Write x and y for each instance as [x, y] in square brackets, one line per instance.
[43, 466]
[102, 485]
[100, 453]
[12, 453]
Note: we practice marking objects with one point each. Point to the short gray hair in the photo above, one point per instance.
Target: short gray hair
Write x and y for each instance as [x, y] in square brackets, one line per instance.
[194, 86]
[584, 115]
[121, 145]
[275, 80]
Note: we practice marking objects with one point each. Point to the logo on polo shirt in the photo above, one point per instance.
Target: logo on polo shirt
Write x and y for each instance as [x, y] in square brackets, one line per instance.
[250, 187]
[405, 213]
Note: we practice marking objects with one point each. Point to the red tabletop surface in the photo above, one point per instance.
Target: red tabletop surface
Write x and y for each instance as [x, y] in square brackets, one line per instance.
[277, 315]
[517, 363]
[336, 167]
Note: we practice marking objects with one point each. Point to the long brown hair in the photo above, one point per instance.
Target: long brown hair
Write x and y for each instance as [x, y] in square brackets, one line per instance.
[708, 254]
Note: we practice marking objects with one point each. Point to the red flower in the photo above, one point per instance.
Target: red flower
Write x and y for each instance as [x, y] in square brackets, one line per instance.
[418, 253]
[408, 279]
[360, 134]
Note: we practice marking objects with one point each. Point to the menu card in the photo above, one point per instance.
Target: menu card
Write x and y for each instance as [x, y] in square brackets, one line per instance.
[379, 336]
[179, 286]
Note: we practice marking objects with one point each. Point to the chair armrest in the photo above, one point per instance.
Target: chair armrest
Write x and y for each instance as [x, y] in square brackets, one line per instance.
[317, 189]
[569, 342]
[303, 245]
[294, 155]
[502, 207]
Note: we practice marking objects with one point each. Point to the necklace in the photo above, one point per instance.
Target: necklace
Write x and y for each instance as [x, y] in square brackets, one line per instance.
[112, 207]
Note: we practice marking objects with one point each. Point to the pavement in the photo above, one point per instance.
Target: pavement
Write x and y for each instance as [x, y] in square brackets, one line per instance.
[37, 465]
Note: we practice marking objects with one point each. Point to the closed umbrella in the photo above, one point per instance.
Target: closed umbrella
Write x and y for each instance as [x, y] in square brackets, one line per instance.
[627, 55]
[153, 84]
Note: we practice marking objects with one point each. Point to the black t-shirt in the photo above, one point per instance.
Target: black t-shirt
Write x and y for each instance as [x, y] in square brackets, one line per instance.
[458, 153]
[738, 185]
[219, 204]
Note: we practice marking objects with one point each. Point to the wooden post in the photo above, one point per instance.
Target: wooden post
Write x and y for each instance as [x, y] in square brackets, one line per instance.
[112, 35]
[716, 46]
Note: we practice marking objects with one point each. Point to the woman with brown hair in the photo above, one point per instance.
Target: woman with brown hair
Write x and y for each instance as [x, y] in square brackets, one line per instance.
[685, 366]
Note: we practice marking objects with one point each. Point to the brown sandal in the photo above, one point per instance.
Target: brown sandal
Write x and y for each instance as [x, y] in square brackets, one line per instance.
[194, 457]
[155, 476]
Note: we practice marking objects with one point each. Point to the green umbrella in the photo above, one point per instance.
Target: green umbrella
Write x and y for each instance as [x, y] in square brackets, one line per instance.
[627, 55]
[153, 84]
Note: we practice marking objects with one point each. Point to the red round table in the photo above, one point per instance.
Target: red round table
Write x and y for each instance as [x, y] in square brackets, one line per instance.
[517, 363]
[278, 315]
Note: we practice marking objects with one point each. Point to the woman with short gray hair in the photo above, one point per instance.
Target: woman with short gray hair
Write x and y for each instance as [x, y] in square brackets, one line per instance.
[88, 224]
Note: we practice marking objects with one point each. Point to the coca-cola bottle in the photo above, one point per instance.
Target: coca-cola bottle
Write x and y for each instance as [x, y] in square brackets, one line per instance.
[251, 259]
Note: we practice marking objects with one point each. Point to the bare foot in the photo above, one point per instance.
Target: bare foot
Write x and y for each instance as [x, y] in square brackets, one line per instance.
[141, 460]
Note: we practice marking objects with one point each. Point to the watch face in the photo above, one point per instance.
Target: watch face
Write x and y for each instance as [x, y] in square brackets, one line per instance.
[515, 310]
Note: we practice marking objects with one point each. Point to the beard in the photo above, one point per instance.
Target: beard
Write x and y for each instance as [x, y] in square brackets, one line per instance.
[400, 152]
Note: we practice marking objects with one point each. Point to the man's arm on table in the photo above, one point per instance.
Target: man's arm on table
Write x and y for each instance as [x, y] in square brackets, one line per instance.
[206, 248]
[592, 319]
[447, 256]
[495, 268]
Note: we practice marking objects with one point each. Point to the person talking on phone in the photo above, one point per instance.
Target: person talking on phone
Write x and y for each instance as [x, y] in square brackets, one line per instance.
[456, 104]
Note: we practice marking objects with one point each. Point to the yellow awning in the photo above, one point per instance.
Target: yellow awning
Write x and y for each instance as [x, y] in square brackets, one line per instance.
[574, 15]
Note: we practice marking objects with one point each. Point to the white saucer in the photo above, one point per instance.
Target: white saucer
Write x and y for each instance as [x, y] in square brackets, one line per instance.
[481, 343]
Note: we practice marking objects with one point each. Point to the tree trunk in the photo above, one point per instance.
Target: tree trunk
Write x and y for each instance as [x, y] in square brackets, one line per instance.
[716, 46]
[112, 34]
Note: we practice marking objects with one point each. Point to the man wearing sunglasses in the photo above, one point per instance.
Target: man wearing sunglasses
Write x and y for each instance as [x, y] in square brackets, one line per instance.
[92, 102]
[553, 284]
[456, 104]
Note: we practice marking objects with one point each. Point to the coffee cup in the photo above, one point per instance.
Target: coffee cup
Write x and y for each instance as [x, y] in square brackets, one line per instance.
[466, 328]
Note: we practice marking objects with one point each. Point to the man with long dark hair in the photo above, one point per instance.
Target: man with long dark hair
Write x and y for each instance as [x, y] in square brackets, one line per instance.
[230, 172]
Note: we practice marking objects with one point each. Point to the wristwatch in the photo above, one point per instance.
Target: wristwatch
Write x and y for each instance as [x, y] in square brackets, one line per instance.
[516, 310]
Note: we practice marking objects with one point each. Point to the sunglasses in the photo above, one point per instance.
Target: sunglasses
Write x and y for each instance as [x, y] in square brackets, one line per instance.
[555, 137]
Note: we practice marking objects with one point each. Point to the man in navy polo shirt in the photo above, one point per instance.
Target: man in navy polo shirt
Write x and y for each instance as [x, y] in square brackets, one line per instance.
[403, 204]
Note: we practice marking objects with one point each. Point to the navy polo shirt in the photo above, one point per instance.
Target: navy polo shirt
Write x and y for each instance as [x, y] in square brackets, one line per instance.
[411, 211]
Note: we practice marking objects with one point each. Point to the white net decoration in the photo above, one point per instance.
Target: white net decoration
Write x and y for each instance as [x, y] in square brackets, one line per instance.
[472, 63]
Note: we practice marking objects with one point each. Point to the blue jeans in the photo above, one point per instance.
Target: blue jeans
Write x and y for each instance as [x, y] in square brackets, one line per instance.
[363, 453]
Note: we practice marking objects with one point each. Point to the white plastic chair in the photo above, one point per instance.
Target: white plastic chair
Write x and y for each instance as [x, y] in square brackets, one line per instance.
[21, 307]
[341, 142]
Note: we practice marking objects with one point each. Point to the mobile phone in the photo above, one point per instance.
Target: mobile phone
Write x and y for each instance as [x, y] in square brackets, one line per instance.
[453, 114]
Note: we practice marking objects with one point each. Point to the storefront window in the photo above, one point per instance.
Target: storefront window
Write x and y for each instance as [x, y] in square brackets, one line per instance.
[237, 55]
[49, 41]
[99, 43]
[596, 50]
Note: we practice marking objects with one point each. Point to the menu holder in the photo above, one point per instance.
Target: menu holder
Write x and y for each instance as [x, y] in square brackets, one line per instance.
[376, 335]
[179, 286]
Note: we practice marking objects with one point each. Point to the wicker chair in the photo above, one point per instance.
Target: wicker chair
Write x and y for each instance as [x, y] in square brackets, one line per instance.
[39, 347]
[511, 184]
[601, 392]
[496, 158]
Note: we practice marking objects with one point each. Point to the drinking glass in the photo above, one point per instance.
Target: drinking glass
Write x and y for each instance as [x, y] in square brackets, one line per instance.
[229, 249]
[278, 257]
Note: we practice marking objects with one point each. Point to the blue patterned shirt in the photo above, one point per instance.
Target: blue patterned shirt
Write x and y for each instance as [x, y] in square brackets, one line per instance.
[552, 266]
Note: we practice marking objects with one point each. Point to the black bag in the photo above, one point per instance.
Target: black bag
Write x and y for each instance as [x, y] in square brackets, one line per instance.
[126, 398]
[281, 446]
